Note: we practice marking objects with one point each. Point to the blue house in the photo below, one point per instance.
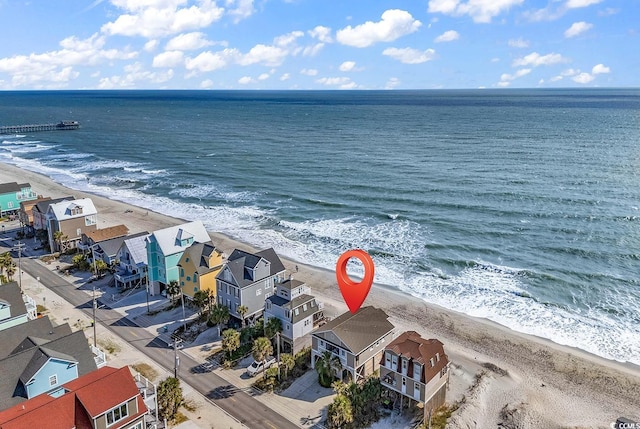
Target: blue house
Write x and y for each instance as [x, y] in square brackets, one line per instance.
[164, 250]
[16, 308]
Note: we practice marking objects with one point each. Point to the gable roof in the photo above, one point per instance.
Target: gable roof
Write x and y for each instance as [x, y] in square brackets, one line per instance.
[412, 346]
[136, 244]
[8, 187]
[25, 360]
[10, 293]
[103, 234]
[110, 247]
[200, 254]
[43, 206]
[296, 303]
[359, 331]
[85, 398]
[62, 210]
[11, 338]
[168, 239]
[239, 260]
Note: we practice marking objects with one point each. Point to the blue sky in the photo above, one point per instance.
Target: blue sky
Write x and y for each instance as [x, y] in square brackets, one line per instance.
[314, 44]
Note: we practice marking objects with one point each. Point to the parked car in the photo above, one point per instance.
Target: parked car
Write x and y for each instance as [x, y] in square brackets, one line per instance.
[257, 367]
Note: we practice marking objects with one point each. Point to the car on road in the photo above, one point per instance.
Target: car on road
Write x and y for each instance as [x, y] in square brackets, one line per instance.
[257, 367]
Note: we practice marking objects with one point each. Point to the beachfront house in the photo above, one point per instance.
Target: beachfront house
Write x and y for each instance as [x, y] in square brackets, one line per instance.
[71, 219]
[416, 369]
[298, 311]
[39, 211]
[164, 250]
[358, 341]
[199, 266]
[106, 398]
[16, 307]
[89, 239]
[12, 194]
[132, 261]
[247, 279]
[25, 215]
[37, 361]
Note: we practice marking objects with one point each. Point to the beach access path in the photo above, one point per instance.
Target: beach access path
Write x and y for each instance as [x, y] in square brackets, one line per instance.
[538, 382]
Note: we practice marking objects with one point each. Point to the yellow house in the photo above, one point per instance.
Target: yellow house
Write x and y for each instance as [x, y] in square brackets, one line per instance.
[199, 265]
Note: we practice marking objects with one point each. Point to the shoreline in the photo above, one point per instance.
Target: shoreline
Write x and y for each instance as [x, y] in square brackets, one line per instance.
[536, 365]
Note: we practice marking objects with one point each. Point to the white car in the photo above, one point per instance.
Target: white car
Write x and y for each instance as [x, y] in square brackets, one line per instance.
[257, 367]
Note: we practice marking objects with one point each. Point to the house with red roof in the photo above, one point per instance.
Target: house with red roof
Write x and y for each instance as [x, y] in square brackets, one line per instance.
[105, 398]
[417, 369]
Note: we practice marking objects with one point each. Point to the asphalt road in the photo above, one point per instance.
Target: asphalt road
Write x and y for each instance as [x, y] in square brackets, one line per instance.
[238, 403]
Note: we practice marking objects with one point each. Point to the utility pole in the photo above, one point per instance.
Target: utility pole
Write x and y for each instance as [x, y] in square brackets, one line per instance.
[95, 266]
[184, 320]
[176, 358]
[94, 316]
[278, 345]
[19, 247]
[147, 287]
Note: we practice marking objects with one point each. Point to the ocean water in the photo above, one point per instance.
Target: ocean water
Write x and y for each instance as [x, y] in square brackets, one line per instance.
[520, 206]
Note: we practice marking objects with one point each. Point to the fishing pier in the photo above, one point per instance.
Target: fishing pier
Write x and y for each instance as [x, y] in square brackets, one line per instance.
[62, 125]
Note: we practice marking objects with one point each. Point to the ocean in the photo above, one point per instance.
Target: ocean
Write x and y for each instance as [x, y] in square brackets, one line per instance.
[519, 206]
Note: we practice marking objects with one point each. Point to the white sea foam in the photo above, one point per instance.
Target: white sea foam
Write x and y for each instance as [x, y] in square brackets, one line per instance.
[483, 289]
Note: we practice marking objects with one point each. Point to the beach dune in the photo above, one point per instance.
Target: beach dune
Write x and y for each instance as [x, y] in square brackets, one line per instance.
[505, 377]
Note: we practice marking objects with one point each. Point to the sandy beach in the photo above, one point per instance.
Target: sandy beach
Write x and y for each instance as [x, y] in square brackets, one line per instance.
[526, 382]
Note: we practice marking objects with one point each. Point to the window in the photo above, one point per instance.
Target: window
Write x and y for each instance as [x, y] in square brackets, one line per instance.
[186, 260]
[306, 322]
[188, 278]
[258, 292]
[268, 305]
[287, 314]
[181, 272]
[432, 363]
[117, 414]
[297, 311]
[404, 366]
[394, 361]
[53, 380]
[79, 231]
[137, 426]
[195, 289]
[416, 387]
[322, 343]
[181, 283]
[304, 307]
[236, 292]
[437, 357]
[195, 277]
[90, 220]
[416, 370]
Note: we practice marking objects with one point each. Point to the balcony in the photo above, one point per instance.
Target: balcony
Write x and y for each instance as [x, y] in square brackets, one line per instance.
[335, 351]
[126, 276]
[99, 357]
[32, 308]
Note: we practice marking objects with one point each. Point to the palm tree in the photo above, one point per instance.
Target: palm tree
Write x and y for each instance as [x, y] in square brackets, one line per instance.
[59, 237]
[230, 341]
[99, 267]
[326, 366]
[242, 310]
[169, 397]
[219, 315]
[173, 289]
[201, 300]
[5, 262]
[11, 270]
[261, 349]
[340, 412]
[274, 325]
[287, 362]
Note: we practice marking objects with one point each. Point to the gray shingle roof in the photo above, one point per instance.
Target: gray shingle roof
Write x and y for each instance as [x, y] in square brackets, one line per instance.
[359, 331]
[10, 292]
[11, 338]
[111, 246]
[26, 360]
[43, 206]
[6, 188]
[240, 261]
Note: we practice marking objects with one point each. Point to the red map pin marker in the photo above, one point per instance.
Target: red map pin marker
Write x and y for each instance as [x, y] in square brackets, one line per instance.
[354, 293]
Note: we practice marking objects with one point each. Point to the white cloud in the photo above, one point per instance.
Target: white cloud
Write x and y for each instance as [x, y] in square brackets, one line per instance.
[505, 77]
[583, 78]
[208, 61]
[535, 59]
[447, 36]
[577, 28]
[347, 66]
[340, 82]
[321, 33]
[393, 25]
[244, 80]
[151, 19]
[495, 60]
[188, 42]
[285, 76]
[243, 9]
[600, 69]
[392, 83]
[309, 72]
[574, 4]
[267, 55]
[168, 59]
[151, 45]
[264, 76]
[312, 50]
[288, 39]
[478, 10]
[503, 83]
[608, 11]
[518, 43]
[410, 55]
[206, 84]
[134, 73]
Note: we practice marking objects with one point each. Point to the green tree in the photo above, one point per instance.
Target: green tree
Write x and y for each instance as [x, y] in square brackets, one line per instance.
[201, 300]
[340, 413]
[274, 325]
[242, 310]
[261, 349]
[99, 267]
[219, 315]
[230, 341]
[174, 290]
[169, 398]
[287, 362]
[326, 367]
[59, 237]
[11, 270]
[6, 262]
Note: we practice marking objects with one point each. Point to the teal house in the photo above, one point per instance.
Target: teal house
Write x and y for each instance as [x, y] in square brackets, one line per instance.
[164, 250]
[12, 194]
